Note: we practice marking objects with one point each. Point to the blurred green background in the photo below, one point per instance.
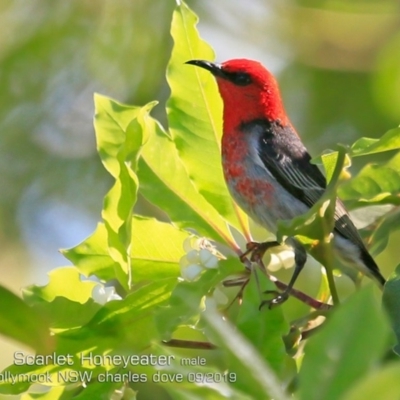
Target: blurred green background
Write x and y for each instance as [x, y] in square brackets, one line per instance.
[338, 63]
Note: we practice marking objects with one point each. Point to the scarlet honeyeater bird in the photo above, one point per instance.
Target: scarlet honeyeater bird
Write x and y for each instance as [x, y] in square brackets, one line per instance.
[267, 167]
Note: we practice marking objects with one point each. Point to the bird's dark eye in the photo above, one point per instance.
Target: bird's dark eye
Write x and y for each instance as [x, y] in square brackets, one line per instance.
[241, 78]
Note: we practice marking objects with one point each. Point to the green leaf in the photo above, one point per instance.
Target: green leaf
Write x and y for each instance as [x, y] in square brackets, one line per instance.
[123, 151]
[100, 390]
[55, 393]
[212, 382]
[111, 123]
[265, 328]
[66, 314]
[383, 384]
[195, 115]
[212, 392]
[20, 322]
[66, 300]
[391, 302]
[127, 323]
[186, 301]
[389, 141]
[253, 375]
[329, 161]
[165, 182]
[375, 184]
[65, 282]
[347, 347]
[91, 257]
[156, 248]
[380, 237]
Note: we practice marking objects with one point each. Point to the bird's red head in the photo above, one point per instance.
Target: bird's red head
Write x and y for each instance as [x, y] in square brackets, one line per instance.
[248, 90]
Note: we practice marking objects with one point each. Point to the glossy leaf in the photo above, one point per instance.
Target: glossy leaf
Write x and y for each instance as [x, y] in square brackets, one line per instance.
[21, 323]
[165, 182]
[186, 301]
[66, 300]
[389, 141]
[156, 248]
[381, 235]
[383, 384]
[195, 115]
[91, 257]
[130, 318]
[123, 151]
[375, 183]
[254, 376]
[65, 282]
[347, 347]
[264, 328]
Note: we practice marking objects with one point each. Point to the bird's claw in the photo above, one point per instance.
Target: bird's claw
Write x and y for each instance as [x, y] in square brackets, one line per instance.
[250, 248]
[280, 297]
[257, 250]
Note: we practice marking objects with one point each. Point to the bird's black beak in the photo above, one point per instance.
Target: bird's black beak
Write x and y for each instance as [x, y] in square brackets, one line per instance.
[214, 68]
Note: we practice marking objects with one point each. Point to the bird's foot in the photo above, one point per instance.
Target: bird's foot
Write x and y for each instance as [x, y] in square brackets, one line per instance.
[250, 247]
[280, 298]
[257, 250]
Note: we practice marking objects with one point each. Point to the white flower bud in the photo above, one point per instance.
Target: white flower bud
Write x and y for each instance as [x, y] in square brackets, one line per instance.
[191, 272]
[208, 259]
[102, 295]
[283, 259]
[193, 257]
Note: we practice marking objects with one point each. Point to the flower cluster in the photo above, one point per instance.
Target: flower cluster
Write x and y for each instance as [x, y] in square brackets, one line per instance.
[200, 255]
[282, 258]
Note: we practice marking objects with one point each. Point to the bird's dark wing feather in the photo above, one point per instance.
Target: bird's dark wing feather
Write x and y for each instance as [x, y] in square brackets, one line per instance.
[282, 152]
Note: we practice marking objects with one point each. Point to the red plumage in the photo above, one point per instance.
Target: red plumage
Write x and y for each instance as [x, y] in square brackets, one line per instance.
[260, 99]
